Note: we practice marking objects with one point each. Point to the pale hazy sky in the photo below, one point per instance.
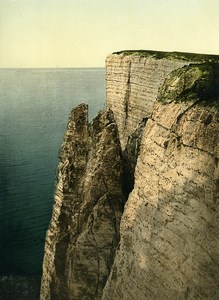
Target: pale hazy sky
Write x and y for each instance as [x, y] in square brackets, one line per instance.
[81, 33]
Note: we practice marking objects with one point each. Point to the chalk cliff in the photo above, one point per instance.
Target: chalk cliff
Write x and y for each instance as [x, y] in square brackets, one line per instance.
[169, 247]
[159, 155]
[132, 82]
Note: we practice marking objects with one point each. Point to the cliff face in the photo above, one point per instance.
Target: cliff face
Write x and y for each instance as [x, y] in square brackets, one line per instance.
[132, 84]
[169, 247]
[168, 239]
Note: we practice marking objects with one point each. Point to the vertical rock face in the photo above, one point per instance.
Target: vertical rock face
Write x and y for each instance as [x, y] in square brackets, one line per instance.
[84, 230]
[132, 84]
[169, 247]
[169, 233]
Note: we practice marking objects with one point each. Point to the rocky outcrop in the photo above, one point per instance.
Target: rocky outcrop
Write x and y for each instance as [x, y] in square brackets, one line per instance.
[84, 230]
[167, 244]
[169, 247]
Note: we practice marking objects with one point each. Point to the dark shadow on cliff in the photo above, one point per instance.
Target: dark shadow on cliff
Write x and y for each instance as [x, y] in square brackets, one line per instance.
[130, 157]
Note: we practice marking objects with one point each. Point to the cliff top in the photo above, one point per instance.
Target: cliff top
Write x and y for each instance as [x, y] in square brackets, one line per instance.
[195, 57]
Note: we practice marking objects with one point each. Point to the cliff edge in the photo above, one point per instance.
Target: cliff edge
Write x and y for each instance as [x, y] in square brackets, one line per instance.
[136, 205]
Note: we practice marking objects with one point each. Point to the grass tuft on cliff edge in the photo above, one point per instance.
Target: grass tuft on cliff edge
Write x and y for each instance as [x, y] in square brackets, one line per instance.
[191, 83]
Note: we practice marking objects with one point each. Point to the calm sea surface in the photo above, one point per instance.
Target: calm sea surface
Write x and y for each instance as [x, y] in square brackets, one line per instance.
[34, 107]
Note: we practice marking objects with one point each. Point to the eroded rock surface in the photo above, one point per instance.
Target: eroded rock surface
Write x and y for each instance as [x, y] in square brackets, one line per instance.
[169, 247]
[168, 240]
[132, 84]
[84, 230]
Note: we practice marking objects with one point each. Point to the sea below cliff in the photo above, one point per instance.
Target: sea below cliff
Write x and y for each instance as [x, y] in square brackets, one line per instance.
[35, 104]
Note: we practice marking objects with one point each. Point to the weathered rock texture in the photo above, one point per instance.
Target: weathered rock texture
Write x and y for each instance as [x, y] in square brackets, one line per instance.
[84, 230]
[169, 233]
[132, 82]
[169, 247]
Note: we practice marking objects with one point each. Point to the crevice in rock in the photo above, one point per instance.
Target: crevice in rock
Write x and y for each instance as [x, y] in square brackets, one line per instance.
[97, 255]
[212, 154]
[130, 156]
[109, 199]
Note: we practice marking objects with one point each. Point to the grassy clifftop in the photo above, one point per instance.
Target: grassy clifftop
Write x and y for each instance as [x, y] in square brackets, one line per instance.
[195, 57]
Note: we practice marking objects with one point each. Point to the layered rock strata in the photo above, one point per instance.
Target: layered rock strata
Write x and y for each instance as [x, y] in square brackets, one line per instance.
[132, 82]
[84, 230]
[169, 247]
[168, 240]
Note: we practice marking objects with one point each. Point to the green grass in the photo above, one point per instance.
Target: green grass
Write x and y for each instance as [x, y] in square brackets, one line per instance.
[196, 82]
[195, 57]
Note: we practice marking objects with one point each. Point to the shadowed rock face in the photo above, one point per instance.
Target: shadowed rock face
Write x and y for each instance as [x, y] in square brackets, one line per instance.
[84, 230]
[130, 156]
[169, 247]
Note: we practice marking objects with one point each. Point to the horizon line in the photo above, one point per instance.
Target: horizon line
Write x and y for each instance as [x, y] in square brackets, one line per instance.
[52, 67]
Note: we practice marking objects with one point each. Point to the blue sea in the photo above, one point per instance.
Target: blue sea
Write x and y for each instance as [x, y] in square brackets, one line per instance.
[34, 108]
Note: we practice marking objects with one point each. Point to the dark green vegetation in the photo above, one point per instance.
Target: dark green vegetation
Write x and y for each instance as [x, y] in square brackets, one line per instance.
[196, 82]
[194, 57]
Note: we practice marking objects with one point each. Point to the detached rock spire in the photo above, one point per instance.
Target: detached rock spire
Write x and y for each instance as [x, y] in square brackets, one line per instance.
[84, 230]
